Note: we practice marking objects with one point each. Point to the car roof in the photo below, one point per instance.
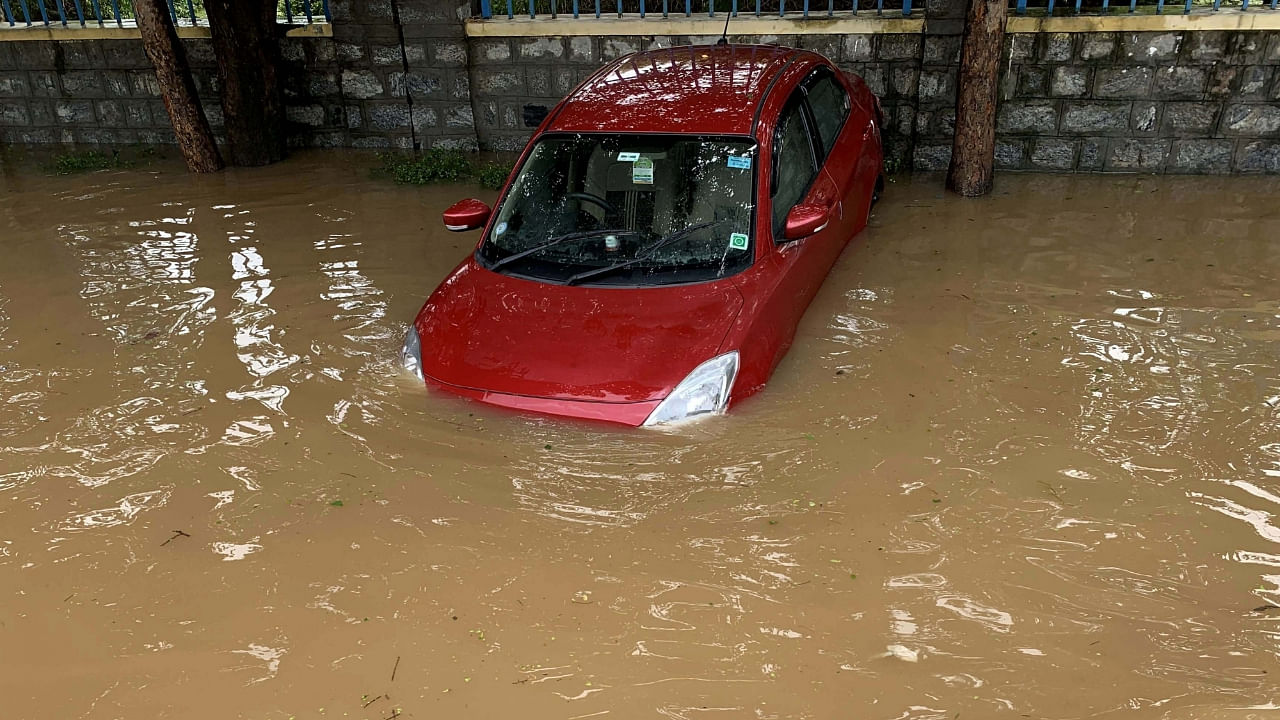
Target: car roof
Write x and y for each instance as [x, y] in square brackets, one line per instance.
[704, 89]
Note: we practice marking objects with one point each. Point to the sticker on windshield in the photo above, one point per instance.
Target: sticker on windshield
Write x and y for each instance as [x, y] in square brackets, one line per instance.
[628, 156]
[502, 227]
[642, 171]
[742, 162]
[738, 241]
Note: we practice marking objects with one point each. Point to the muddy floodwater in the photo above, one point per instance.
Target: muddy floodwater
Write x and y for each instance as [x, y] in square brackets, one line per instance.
[1023, 461]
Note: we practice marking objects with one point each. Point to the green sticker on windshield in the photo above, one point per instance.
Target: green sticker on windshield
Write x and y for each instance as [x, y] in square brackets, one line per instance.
[738, 241]
[642, 171]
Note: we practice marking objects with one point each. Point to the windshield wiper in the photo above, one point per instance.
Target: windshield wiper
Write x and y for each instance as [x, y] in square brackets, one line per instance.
[644, 254]
[558, 240]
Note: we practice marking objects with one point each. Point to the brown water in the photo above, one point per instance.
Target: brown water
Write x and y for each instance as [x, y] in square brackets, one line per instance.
[1022, 461]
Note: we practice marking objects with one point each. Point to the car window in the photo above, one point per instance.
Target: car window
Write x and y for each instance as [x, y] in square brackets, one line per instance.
[794, 168]
[627, 210]
[830, 105]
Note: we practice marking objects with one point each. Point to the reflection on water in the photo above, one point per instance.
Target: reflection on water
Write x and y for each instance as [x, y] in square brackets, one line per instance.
[1023, 446]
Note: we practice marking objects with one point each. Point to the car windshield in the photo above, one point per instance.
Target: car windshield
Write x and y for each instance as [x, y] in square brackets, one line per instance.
[627, 210]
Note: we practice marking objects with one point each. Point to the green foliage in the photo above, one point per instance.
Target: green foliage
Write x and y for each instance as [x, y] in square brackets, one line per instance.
[492, 176]
[87, 161]
[438, 165]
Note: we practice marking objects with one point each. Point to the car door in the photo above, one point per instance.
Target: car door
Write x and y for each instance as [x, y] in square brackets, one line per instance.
[796, 178]
[839, 144]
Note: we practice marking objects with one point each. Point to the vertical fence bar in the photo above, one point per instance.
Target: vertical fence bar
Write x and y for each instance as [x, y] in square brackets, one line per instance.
[688, 8]
[576, 9]
[44, 16]
[1078, 6]
[191, 10]
[906, 8]
[879, 7]
[1022, 7]
[1050, 10]
[664, 7]
[1273, 4]
[1186, 10]
[831, 7]
[782, 7]
[62, 16]
[26, 12]
[1133, 6]
[306, 6]
[80, 12]
[1107, 3]
[8, 12]
[115, 9]
[288, 11]
[97, 12]
[641, 8]
[806, 8]
[757, 8]
[1160, 7]
[732, 11]
[1244, 5]
[511, 13]
[173, 13]
[597, 9]
[328, 17]
[486, 9]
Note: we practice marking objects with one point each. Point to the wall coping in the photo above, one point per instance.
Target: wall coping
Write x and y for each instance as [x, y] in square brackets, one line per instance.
[652, 24]
[1225, 19]
[130, 32]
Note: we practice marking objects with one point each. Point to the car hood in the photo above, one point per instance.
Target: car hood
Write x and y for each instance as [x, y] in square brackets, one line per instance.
[495, 333]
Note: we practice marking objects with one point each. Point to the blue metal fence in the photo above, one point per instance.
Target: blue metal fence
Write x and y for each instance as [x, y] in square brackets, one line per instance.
[72, 12]
[683, 8]
[1122, 7]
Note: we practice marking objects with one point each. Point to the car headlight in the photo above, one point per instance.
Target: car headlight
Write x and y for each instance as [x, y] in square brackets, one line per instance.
[704, 392]
[411, 353]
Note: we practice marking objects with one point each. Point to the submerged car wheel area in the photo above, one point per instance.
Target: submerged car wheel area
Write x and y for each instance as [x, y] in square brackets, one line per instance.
[659, 238]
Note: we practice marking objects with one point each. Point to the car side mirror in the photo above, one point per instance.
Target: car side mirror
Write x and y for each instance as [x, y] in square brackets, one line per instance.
[466, 214]
[805, 220]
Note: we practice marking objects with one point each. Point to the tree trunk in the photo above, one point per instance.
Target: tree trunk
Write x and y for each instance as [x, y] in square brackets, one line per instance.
[177, 88]
[246, 45]
[974, 147]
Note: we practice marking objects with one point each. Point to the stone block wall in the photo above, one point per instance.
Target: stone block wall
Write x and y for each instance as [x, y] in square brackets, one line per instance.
[1177, 102]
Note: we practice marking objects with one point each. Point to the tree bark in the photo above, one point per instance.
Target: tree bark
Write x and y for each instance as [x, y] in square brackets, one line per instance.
[974, 147]
[248, 53]
[167, 55]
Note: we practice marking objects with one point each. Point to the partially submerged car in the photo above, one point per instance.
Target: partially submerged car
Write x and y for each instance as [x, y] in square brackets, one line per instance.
[660, 238]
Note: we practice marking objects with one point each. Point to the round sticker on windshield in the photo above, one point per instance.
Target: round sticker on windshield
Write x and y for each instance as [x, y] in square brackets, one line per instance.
[502, 227]
[738, 241]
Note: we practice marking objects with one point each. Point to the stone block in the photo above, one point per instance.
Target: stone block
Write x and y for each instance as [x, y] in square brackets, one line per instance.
[312, 115]
[425, 118]
[461, 87]
[45, 84]
[449, 53]
[499, 82]
[82, 84]
[200, 53]
[1142, 155]
[1272, 53]
[412, 83]
[1033, 116]
[898, 46]
[1009, 154]
[213, 114]
[360, 84]
[615, 47]
[1092, 154]
[1205, 46]
[876, 80]
[349, 52]
[386, 55]
[1096, 118]
[466, 143]
[1053, 154]
[14, 113]
[1069, 81]
[1055, 47]
[1098, 46]
[1020, 47]
[41, 112]
[1254, 81]
[96, 136]
[548, 48]
[351, 114]
[74, 112]
[389, 116]
[144, 84]
[1149, 47]
[115, 83]
[292, 50]
[941, 50]
[1144, 117]
[1033, 82]
[38, 54]
[7, 61]
[323, 84]
[1201, 156]
[827, 46]
[137, 113]
[323, 52]
[1123, 82]
[159, 114]
[1251, 120]
[1259, 156]
[538, 80]
[77, 54]
[1223, 81]
[1190, 118]
[459, 117]
[931, 158]
[1180, 83]
[582, 49]
[856, 48]
[565, 82]
[937, 86]
[110, 113]
[13, 84]
[904, 80]
[1247, 48]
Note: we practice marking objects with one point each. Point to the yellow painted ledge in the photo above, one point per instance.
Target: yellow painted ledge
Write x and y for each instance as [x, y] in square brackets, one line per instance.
[657, 25]
[130, 32]
[1264, 19]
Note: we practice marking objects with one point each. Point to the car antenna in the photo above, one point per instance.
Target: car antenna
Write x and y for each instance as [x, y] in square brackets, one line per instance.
[724, 36]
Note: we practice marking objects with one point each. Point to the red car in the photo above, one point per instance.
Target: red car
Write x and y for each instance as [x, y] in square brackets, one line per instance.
[659, 239]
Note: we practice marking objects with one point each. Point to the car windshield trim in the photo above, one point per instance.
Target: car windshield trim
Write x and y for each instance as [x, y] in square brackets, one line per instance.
[711, 185]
